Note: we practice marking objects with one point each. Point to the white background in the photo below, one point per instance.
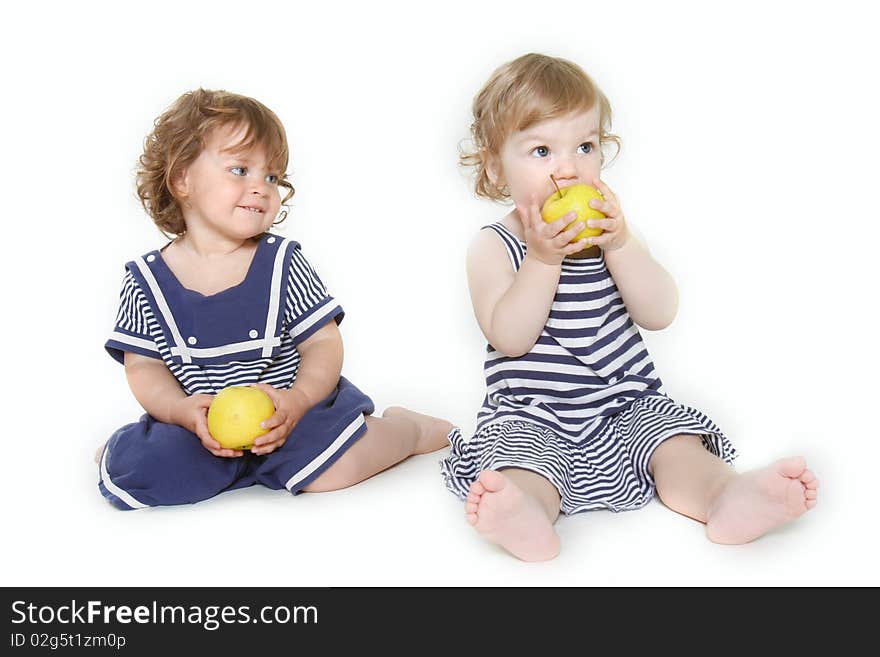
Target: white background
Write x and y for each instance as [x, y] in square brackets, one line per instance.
[749, 163]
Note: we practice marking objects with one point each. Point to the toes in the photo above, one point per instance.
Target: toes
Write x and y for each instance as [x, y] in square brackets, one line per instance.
[492, 481]
[792, 467]
[810, 504]
[471, 518]
[811, 494]
[477, 489]
[470, 508]
[473, 499]
[807, 476]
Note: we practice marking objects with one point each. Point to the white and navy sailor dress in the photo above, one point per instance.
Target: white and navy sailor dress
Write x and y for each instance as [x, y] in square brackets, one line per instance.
[584, 407]
[243, 335]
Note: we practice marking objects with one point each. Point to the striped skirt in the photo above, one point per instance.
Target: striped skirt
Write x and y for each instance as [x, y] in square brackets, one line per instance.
[609, 470]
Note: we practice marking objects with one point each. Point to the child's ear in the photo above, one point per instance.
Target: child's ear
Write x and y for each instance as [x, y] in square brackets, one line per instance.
[493, 168]
[179, 184]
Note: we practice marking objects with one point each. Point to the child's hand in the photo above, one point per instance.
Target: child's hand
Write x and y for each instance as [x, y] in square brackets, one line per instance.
[549, 243]
[192, 413]
[616, 232]
[290, 406]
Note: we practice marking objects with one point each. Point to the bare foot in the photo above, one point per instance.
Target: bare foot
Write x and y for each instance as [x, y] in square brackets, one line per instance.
[753, 503]
[433, 432]
[506, 515]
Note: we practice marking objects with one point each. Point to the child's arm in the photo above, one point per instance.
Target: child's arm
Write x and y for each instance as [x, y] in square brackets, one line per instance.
[647, 289]
[319, 369]
[161, 396]
[512, 307]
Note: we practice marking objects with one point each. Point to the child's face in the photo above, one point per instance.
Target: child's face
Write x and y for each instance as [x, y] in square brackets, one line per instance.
[566, 147]
[230, 193]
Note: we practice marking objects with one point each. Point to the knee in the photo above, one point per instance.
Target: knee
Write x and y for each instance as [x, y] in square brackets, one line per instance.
[669, 451]
[156, 448]
[158, 464]
[342, 474]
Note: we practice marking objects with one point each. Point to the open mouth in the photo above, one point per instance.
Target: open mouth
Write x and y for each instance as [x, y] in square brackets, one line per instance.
[251, 209]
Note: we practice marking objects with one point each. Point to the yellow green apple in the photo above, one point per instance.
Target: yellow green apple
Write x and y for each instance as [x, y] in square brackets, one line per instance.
[235, 414]
[575, 198]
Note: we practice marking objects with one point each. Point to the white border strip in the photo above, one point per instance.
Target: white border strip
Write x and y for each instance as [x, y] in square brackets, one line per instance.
[149, 345]
[308, 323]
[275, 294]
[113, 488]
[327, 453]
[182, 350]
[236, 347]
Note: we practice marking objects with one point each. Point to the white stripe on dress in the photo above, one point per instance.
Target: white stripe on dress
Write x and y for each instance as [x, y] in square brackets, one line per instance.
[232, 348]
[275, 294]
[347, 433]
[113, 488]
[182, 349]
[316, 317]
[149, 345]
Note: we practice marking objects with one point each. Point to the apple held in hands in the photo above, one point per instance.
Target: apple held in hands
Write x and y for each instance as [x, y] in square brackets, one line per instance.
[575, 198]
[235, 414]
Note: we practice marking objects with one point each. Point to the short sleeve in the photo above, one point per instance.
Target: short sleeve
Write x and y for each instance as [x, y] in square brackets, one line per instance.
[132, 329]
[308, 307]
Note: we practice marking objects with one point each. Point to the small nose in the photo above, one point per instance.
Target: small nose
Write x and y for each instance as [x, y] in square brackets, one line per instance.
[565, 168]
[260, 187]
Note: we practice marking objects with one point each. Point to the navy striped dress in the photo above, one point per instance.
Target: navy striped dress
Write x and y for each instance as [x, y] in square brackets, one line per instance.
[243, 335]
[584, 407]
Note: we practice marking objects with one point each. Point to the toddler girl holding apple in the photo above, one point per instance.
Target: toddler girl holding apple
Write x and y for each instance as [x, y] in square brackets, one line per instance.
[575, 416]
[227, 303]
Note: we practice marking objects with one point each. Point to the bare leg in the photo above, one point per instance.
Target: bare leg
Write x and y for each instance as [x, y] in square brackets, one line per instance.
[516, 509]
[398, 434]
[737, 508]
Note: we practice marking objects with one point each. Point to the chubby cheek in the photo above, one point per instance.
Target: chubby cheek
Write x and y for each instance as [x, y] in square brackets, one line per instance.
[523, 199]
[527, 184]
[589, 167]
[591, 171]
[272, 213]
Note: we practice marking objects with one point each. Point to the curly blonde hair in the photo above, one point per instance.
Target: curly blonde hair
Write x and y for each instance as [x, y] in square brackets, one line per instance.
[520, 93]
[179, 136]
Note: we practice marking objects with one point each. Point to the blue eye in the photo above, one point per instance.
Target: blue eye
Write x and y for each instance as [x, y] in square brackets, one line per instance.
[587, 147]
[238, 171]
[540, 151]
[272, 179]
